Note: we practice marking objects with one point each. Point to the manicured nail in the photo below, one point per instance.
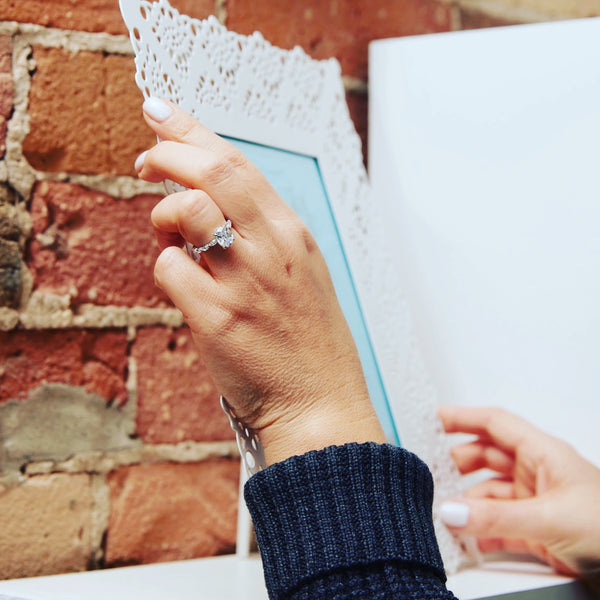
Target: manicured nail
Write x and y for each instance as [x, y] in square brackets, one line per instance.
[139, 161]
[455, 514]
[156, 109]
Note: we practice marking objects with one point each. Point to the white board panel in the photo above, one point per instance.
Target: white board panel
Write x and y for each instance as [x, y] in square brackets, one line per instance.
[484, 151]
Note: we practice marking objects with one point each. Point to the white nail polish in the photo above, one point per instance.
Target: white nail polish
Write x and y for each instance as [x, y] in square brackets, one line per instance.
[139, 161]
[156, 109]
[455, 514]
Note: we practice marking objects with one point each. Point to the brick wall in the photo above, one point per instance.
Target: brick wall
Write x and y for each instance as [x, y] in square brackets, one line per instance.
[113, 449]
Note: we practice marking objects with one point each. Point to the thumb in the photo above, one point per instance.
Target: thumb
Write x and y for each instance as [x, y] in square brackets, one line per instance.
[492, 518]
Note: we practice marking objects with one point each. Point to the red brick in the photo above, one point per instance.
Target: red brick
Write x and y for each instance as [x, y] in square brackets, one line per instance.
[177, 399]
[103, 250]
[85, 113]
[6, 82]
[45, 526]
[85, 15]
[128, 134]
[6, 47]
[96, 360]
[358, 105]
[326, 28]
[6, 94]
[167, 512]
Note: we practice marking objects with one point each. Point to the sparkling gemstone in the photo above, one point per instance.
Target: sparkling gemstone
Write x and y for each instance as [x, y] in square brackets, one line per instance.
[224, 236]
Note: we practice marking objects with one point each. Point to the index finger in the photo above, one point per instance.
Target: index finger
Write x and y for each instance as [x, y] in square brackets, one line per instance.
[505, 429]
[169, 122]
[213, 163]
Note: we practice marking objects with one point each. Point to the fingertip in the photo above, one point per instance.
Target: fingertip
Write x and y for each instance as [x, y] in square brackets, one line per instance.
[161, 215]
[168, 263]
[455, 514]
[444, 411]
[447, 414]
[148, 165]
[139, 161]
[171, 122]
[157, 109]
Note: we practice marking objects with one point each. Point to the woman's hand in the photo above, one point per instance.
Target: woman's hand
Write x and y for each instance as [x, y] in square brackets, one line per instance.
[545, 500]
[264, 311]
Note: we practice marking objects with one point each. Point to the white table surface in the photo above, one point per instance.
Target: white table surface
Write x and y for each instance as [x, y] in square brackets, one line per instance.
[229, 577]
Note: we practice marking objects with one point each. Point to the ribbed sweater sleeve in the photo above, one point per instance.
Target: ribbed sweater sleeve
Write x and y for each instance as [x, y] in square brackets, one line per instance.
[349, 521]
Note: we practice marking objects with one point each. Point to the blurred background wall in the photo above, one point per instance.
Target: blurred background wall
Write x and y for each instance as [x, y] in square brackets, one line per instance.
[113, 450]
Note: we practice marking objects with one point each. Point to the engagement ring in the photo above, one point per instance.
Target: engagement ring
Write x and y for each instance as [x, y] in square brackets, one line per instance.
[223, 236]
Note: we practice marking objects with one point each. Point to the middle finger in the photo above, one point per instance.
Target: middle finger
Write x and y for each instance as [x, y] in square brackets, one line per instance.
[472, 456]
[193, 217]
[221, 177]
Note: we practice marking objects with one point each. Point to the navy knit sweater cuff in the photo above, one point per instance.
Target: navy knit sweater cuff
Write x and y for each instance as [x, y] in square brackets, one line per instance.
[342, 507]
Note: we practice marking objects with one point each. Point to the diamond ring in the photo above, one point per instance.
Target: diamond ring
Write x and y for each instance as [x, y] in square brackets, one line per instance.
[223, 236]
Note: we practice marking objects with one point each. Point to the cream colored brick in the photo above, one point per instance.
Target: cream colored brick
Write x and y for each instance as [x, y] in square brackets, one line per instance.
[45, 526]
[168, 511]
[534, 10]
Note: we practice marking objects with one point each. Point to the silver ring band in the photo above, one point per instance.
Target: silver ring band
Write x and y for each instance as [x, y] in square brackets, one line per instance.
[223, 236]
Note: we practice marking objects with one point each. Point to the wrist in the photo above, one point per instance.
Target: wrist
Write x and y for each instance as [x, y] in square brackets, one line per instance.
[319, 428]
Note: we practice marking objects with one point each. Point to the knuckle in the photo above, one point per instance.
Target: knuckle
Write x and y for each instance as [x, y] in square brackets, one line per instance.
[216, 171]
[496, 412]
[304, 236]
[153, 157]
[300, 239]
[185, 130]
[234, 157]
[297, 255]
[488, 522]
[195, 205]
[221, 167]
[223, 323]
[494, 416]
[310, 244]
[563, 449]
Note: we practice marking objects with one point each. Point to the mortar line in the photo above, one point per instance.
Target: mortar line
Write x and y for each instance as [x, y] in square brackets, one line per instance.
[20, 175]
[519, 14]
[118, 186]
[99, 519]
[102, 462]
[221, 11]
[355, 85]
[68, 39]
[53, 312]
[455, 17]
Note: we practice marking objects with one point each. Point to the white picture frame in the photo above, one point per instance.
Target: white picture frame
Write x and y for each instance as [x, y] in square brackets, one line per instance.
[244, 88]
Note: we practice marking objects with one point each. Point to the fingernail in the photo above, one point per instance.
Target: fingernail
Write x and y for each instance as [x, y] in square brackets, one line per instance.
[455, 514]
[156, 109]
[139, 161]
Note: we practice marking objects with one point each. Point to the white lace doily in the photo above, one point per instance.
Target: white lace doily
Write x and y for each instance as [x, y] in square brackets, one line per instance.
[244, 87]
